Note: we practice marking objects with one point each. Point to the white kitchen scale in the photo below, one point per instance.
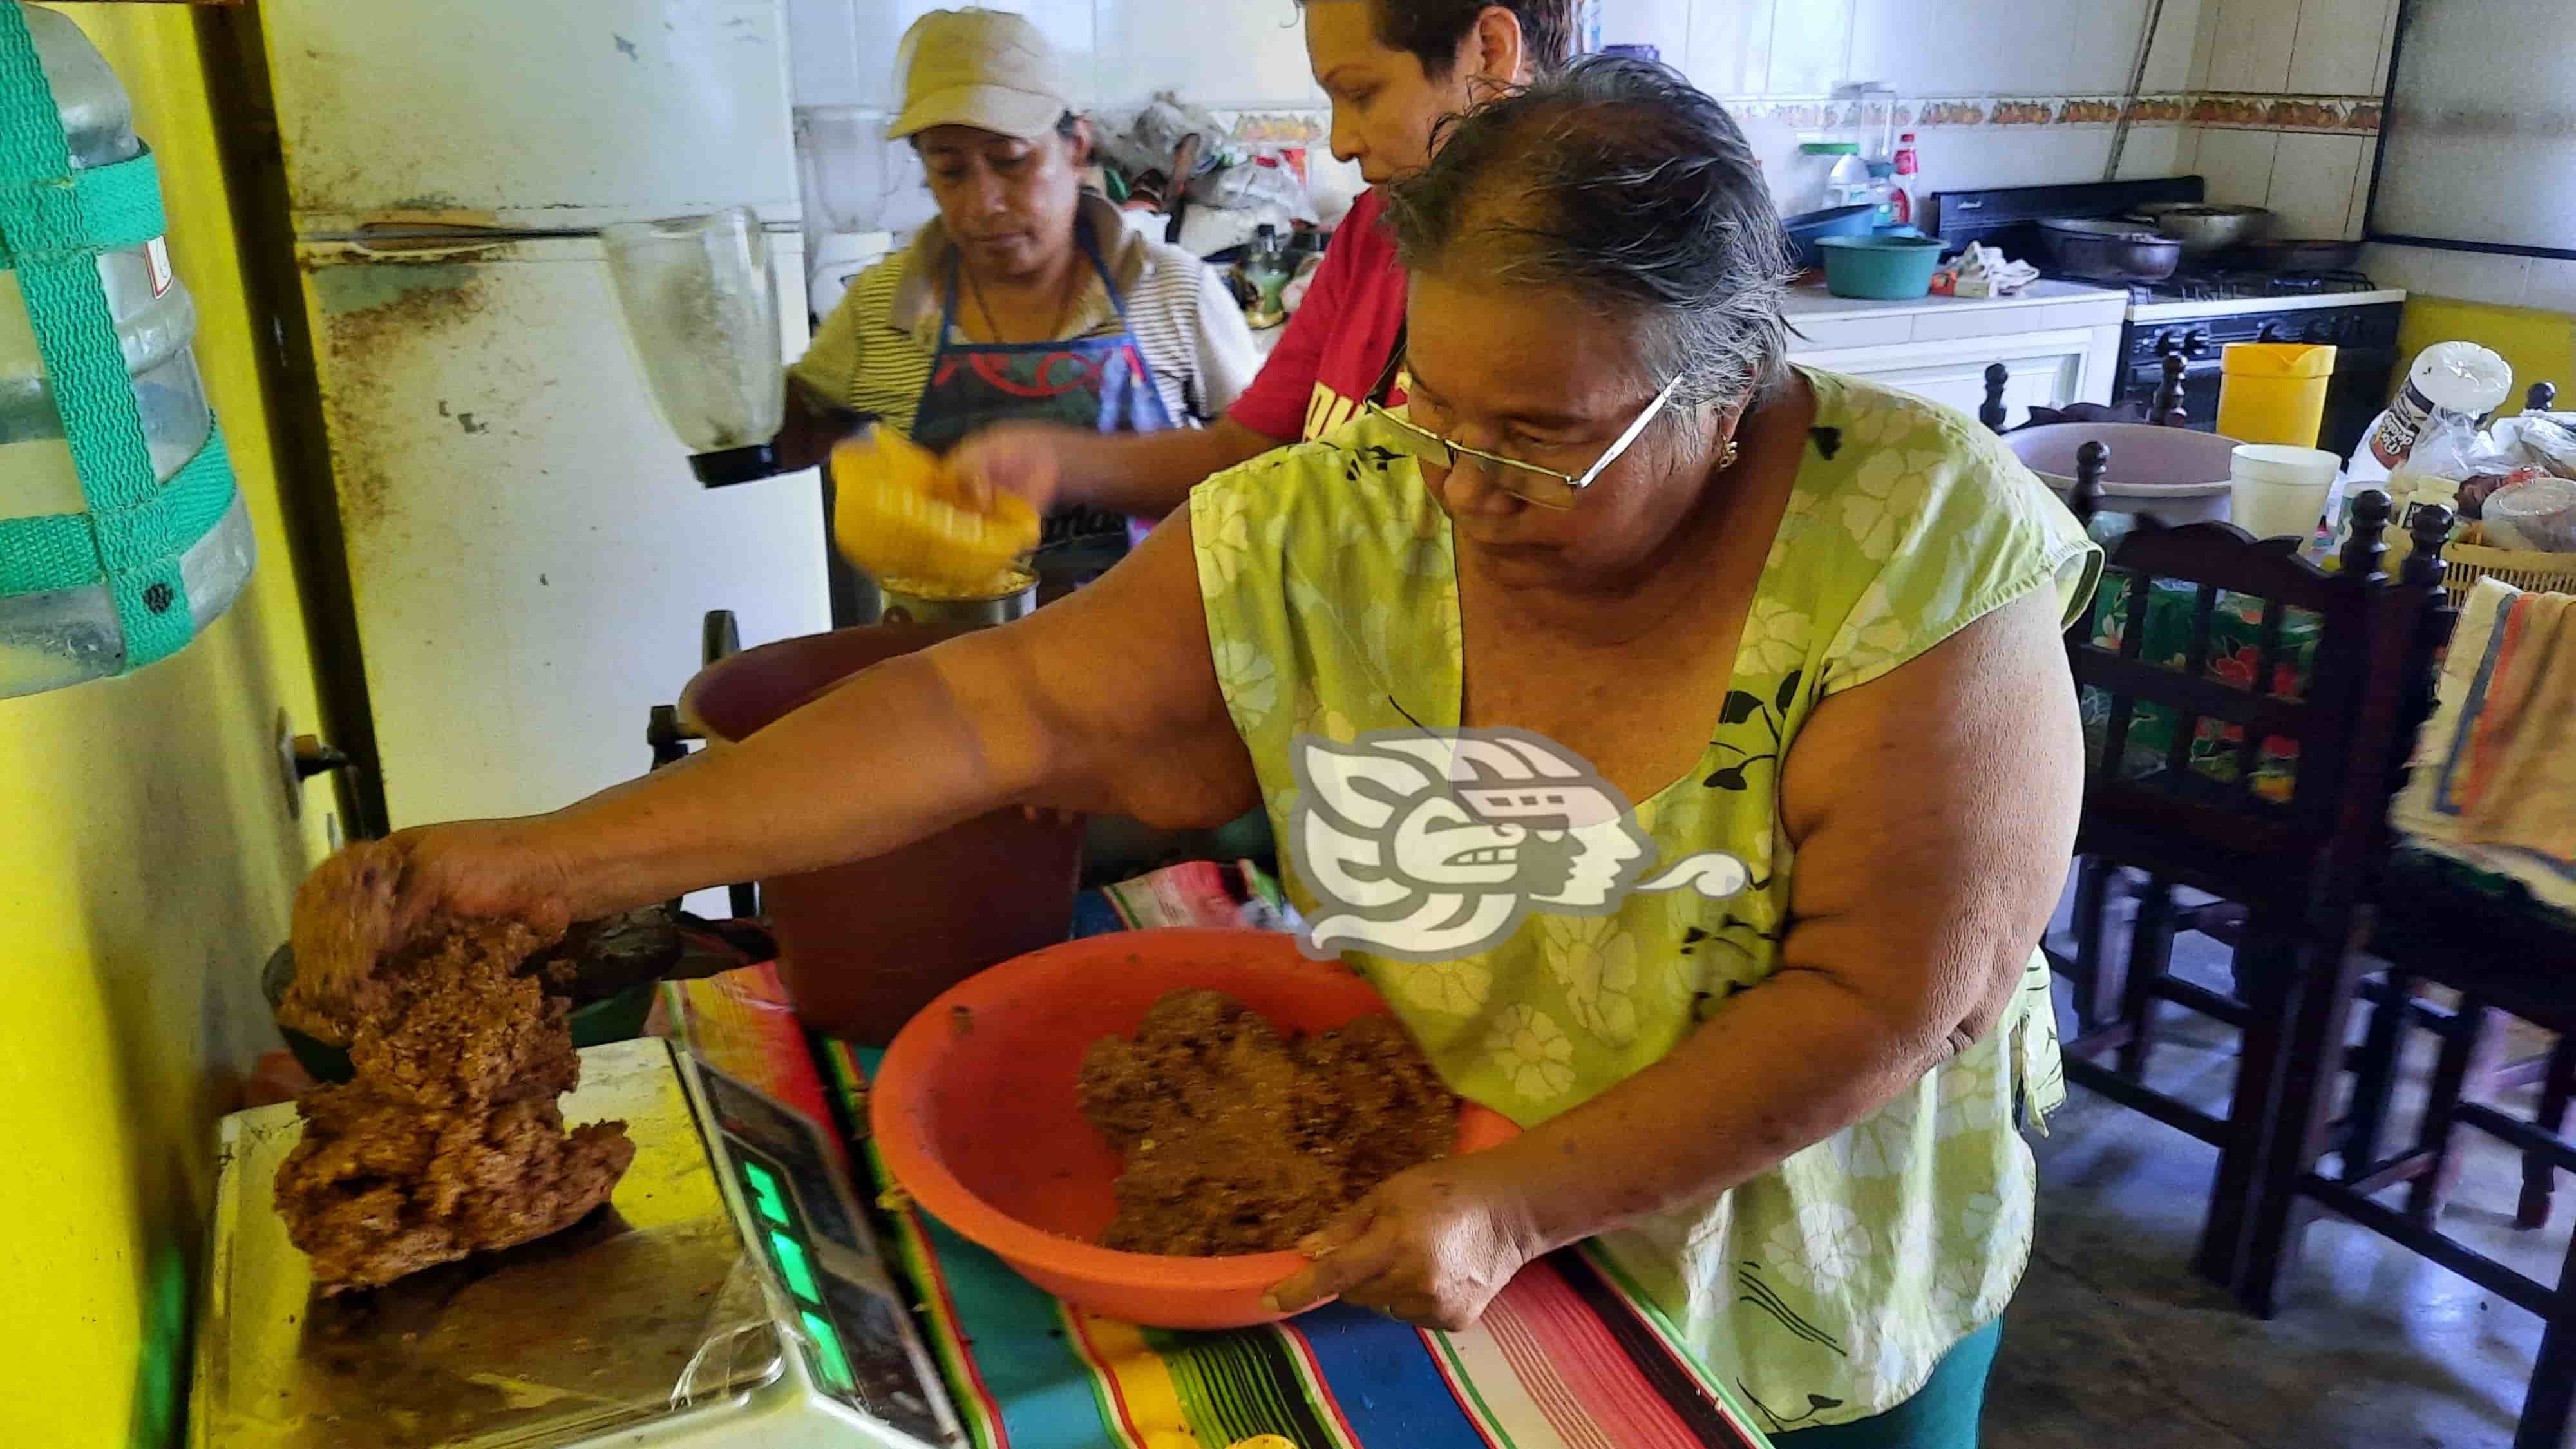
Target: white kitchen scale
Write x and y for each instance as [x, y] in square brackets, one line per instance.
[730, 1293]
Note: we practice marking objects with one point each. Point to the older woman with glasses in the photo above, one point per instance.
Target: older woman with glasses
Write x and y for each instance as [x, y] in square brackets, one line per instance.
[1809, 627]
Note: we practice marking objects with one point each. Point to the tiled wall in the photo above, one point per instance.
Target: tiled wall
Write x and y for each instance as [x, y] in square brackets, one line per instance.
[2545, 283]
[1776, 60]
[1230, 55]
[2275, 99]
[1999, 92]
[2286, 112]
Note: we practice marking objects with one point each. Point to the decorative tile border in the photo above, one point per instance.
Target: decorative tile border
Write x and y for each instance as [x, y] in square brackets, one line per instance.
[2287, 113]
[1278, 128]
[2341, 114]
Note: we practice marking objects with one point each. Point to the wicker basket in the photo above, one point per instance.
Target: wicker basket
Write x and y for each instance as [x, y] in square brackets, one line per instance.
[2470, 559]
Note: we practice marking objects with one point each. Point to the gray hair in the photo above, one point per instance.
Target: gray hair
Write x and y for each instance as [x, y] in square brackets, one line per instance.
[1622, 182]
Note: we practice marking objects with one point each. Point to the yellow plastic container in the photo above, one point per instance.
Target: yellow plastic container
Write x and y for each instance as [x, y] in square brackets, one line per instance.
[890, 518]
[2273, 392]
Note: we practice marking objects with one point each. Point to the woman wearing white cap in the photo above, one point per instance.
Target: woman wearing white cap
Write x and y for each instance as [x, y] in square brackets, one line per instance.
[1394, 70]
[1026, 300]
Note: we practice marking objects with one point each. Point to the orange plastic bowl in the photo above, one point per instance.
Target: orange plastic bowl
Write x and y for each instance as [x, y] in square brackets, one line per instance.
[974, 1110]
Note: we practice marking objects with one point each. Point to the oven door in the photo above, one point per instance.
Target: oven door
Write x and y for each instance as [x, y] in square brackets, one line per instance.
[2354, 399]
[2144, 379]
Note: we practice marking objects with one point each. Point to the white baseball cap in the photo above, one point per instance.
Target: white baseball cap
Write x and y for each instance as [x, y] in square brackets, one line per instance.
[983, 68]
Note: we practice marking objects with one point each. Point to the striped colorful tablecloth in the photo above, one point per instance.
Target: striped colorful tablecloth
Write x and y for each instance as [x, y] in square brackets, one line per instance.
[1566, 1358]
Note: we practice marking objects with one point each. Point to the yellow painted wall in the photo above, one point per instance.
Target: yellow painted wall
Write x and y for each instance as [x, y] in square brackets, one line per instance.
[146, 865]
[2540, 345]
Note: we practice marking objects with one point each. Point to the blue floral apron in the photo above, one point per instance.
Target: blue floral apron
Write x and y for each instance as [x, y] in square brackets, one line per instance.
[1093, 382]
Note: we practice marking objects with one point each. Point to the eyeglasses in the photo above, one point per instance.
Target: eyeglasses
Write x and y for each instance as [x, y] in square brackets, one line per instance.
[1529, 482]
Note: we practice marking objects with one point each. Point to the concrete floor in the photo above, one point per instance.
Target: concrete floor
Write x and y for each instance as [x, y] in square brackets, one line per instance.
[2114, 1340]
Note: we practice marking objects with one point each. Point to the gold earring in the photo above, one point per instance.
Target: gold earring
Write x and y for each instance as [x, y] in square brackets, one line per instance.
[1726, 456]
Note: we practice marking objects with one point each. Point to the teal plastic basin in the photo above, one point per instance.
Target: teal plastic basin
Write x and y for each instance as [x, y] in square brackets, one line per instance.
[1880, 268]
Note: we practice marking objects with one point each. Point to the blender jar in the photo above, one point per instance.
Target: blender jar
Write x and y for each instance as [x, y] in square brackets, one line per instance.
[702, 311]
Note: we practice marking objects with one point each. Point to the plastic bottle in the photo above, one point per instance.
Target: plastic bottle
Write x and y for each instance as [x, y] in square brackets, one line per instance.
[1909, 188]
[1265, 266]
[1847, 184]
[1882, 193]
[48, 640]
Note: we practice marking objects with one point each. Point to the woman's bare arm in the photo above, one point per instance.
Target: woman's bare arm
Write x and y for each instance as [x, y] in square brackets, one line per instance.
[1145, 475]
[813, 425]
[1106, 700]
[1933, 813]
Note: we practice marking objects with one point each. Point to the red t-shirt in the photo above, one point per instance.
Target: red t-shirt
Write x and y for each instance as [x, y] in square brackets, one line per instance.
[1338, 342]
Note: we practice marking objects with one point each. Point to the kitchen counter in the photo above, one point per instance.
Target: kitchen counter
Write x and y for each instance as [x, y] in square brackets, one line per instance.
[1829, 322]
[2059, 343]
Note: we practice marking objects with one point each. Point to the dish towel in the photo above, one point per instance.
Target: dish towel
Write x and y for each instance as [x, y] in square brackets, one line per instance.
[2494, 777]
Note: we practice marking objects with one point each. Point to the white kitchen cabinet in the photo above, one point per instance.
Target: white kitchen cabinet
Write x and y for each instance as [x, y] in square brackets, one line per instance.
[2049, 369]
[2060, 342]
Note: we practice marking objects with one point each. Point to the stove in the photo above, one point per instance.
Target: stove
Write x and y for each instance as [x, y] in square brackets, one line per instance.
[2244, 284]
[2208, 304]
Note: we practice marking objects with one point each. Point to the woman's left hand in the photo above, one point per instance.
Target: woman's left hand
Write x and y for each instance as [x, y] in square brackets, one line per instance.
[1431, 1246]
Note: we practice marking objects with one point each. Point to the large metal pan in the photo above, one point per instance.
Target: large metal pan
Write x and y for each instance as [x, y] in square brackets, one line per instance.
[2110, 251]
[2204, 227]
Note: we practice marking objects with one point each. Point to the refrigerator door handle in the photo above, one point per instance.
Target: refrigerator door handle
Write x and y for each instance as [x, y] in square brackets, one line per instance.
[414, 240]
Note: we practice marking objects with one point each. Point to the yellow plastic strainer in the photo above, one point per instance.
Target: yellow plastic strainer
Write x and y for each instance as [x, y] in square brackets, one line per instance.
[891, 518]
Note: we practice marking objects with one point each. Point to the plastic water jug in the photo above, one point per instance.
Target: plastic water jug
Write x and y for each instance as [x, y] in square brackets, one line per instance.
[64, 636]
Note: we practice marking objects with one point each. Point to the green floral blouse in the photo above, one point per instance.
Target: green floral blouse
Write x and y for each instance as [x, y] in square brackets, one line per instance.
[1827, 1288]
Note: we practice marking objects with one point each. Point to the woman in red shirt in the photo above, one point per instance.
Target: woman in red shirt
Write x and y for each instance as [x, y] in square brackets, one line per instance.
[1392, 69]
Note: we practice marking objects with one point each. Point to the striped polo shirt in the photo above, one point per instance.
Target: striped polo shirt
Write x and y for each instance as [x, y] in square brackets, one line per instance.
[873, 353]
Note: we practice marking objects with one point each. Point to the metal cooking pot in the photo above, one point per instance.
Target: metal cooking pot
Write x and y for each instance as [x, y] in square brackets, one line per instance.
[2203, 227]
[907, 603]
[2111, 251]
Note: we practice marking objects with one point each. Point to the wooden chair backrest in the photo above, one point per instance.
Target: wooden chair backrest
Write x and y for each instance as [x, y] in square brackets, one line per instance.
[2372, 642]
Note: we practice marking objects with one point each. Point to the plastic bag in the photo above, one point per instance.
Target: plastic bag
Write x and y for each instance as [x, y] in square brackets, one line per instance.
[1147, 143]
[2517, 450]
[2440, 457]
[2446, 454]
[1261, 183]
[2544, 440]
[2538, 513]
[2448, 377]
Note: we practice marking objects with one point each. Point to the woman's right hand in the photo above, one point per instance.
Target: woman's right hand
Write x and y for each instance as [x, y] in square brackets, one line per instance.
[1024, 458]
[374, 896]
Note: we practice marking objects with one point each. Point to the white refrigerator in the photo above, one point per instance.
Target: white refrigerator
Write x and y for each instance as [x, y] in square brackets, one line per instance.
[529, 555]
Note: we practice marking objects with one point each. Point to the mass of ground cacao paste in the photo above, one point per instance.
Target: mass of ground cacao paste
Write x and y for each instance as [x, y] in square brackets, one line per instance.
[1239, 1140]
[447, 1141]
